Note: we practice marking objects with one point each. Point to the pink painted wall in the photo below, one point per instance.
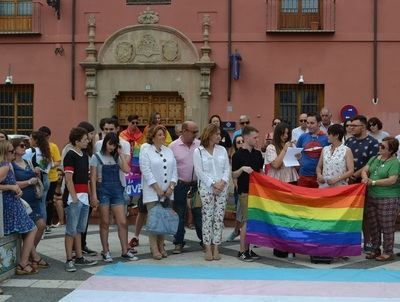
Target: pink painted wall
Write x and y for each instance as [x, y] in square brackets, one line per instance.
[342, 61]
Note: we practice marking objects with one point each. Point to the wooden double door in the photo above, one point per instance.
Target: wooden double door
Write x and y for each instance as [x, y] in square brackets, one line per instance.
[170, 105]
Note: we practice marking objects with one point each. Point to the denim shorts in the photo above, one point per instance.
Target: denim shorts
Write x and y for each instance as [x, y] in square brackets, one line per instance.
[77, 215]
[111, 194]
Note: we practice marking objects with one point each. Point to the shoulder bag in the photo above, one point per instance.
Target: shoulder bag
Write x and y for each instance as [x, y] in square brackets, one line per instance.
[162, 220]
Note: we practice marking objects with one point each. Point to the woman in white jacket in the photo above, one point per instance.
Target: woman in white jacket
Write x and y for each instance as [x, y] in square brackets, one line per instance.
[211, 165]
[159, 177]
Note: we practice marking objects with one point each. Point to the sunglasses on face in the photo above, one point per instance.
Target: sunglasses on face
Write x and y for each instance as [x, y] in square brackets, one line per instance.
[135, 123]
[303, 121]
[372, 125]
[11, 151]
[244, 123]
[22, 145]
[239, 142]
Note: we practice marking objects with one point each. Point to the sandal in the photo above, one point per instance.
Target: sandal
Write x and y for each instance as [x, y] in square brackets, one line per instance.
[40, 263]
[373, 255]
[22, 270]
[385, 257]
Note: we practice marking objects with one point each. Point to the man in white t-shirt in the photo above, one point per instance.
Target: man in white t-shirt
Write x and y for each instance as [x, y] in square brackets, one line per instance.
[112, 125]
[297, 132]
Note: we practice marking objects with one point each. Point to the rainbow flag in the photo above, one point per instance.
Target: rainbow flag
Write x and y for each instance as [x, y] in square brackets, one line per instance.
[317, 222]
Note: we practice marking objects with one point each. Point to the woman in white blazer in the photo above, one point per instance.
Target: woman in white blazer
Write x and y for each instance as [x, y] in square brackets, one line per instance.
[211, 165]
[159, 177]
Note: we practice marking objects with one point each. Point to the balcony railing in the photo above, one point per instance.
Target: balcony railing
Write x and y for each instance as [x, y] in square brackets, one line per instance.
[20, 17]
[301, 16]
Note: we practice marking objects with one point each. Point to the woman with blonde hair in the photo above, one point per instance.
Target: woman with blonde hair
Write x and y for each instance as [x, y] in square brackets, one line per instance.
[211, 165]
[15, 217]
[159, 177]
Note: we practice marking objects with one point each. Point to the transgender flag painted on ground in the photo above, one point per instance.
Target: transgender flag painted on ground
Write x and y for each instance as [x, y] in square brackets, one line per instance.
[152, 283]
[317, 222]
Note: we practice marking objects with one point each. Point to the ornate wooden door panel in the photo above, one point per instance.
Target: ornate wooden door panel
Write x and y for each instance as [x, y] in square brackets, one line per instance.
[169, 105]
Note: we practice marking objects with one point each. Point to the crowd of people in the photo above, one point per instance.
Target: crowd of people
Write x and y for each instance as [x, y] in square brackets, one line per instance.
[188, 175]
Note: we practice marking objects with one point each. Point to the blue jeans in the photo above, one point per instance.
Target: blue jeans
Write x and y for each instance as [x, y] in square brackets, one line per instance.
[46, 186]
[180, 207]
[77, 215]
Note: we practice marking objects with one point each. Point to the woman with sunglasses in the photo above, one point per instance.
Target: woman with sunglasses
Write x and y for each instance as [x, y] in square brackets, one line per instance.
[375, 129]
[347, 130]
[383, 198]
[237, 143]
[26, 179]
[15, 217]
[270, 135]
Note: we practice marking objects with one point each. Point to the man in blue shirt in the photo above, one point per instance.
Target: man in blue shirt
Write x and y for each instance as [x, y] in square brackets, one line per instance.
[243, 121]
[312, 143]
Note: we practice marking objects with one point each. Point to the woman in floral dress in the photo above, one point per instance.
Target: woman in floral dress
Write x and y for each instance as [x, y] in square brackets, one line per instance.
[16, 219]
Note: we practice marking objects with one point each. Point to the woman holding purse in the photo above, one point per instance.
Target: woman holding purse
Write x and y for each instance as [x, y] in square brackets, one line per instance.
[211, 165]
[159, 177]
[26, 179]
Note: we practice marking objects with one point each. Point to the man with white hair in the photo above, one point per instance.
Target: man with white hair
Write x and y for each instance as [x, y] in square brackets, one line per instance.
[244, 120]
[297, 132]
[326, 116]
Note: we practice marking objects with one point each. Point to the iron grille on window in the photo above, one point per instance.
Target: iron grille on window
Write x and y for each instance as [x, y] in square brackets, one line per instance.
[291, 100]
[16, 109]
[148, 2]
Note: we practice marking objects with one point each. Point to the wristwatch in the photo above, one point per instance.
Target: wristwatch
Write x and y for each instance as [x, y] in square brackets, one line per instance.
[374, 182]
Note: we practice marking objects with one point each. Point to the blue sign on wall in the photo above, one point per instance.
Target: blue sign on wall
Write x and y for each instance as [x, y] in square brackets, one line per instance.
[228, 126]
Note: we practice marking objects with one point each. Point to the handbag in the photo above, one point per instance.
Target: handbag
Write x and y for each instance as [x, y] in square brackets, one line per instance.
[26, 205]
[162, 220]
[39, 187]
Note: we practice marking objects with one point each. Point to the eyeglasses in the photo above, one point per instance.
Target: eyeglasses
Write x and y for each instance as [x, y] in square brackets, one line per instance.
[303, 121]
[239, 142]
[274, 124]
[11, 151]
[22, 145]
[244, 123]
[382, 146]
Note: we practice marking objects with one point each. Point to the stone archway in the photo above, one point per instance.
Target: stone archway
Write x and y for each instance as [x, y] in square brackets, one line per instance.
[148, 57]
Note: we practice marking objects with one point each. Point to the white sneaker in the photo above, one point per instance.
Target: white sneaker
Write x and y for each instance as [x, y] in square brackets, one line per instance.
[107, 257]
[129, 256]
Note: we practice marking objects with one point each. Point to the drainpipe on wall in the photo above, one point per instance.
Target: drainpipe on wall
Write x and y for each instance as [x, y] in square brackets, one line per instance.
[375, 99]
[229, 49]
[73, 50]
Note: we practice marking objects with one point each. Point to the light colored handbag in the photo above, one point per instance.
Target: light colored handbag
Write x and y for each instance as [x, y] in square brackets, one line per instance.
[26, 205]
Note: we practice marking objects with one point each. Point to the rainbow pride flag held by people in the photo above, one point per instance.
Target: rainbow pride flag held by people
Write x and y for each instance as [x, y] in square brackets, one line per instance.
[317, 222]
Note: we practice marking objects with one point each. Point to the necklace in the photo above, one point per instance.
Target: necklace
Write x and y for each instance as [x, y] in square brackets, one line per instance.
[381, 164]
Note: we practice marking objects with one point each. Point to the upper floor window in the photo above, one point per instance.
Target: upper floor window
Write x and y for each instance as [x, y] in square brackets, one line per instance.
[16, 109]
[148, 2]
[301, 15]
[292, 99]
[19, 16]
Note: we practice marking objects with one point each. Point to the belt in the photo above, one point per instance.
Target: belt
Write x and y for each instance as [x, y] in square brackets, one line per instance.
[187, 183]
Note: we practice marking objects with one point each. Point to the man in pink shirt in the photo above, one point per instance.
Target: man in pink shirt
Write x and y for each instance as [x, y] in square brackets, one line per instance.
[183, 149]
